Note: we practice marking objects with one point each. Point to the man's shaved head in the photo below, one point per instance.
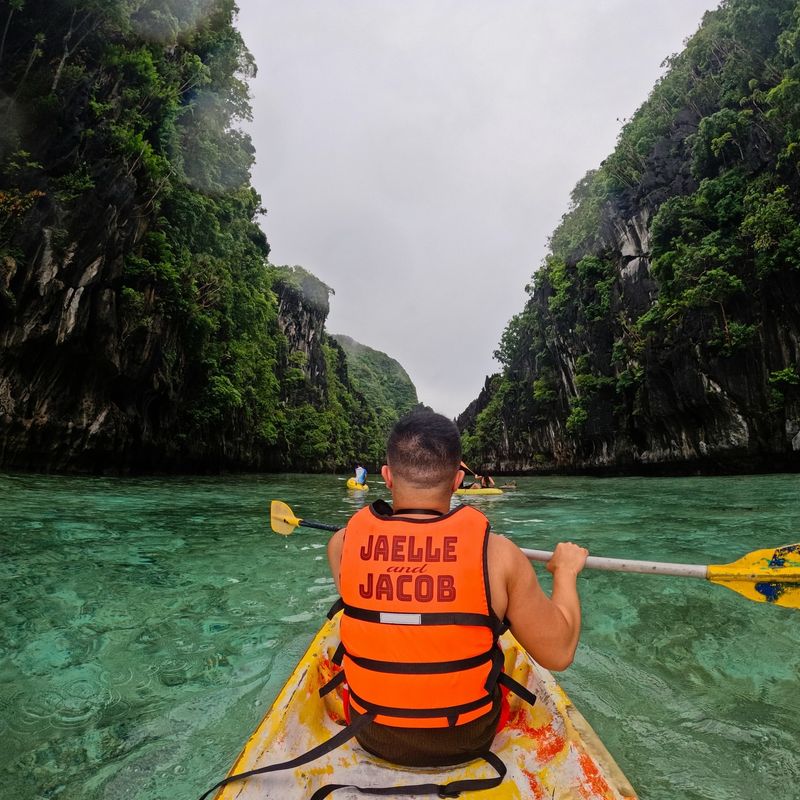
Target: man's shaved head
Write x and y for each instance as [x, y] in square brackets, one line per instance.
[424, 449]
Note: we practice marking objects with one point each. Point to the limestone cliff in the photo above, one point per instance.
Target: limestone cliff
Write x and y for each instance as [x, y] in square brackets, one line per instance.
[141, 325]
[662, 332]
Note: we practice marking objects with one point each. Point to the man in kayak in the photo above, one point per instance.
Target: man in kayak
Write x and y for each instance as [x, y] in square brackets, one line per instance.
[424, 591]
[361, 475]
[484, 482]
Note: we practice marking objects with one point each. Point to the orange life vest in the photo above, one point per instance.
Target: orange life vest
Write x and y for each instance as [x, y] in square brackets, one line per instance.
[418, 631]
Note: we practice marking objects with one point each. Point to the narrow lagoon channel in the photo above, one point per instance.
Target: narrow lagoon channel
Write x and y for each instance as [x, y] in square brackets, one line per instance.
[146, 625]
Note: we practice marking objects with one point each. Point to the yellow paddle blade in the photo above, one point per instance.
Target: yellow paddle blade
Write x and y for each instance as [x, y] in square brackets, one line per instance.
[282, 519]
[766, 576]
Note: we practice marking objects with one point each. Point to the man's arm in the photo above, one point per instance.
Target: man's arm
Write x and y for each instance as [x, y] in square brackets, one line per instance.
[335, 544]
[547, 627]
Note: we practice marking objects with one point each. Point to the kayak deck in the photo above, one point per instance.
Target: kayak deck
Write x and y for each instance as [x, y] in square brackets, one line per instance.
[550, 750]
[479, 491]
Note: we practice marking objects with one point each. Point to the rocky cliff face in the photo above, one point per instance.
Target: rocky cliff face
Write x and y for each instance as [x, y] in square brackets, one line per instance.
[141, 325]
[688, 411]
[303, 308]
[88, 384]
[67, 355]
[662, 334]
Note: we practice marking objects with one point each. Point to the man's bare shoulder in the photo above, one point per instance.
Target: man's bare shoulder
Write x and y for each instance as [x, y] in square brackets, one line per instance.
[503, 553]
[507, 561]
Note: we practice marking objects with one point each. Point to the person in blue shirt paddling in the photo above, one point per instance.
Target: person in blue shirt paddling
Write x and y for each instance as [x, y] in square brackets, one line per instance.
[361, 475]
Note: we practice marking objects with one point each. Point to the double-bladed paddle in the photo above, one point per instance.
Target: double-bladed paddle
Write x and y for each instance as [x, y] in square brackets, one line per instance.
[765, 576]
[284, 521]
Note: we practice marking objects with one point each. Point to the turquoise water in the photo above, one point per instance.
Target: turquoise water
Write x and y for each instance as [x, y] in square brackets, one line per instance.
[145, 625]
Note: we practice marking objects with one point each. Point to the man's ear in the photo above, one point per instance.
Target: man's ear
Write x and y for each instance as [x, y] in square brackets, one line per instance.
[386, 473]
[459, 477]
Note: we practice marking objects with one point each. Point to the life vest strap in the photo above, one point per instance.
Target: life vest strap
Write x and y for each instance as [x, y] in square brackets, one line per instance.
[449, 712]
[337, 679]
[399, 618]
[314, 753]
[335, 608]
[452, 789]
[338, 654]
[498, 662]
[515, 686]
[423, 667]
[430, 511]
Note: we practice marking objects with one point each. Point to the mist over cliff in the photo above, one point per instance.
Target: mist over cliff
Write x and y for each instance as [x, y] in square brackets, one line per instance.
[662, 332]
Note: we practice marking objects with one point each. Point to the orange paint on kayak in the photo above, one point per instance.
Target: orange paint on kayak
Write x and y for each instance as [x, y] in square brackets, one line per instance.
[327, 669]
[548, 742]
[537, 791]
[596, 782]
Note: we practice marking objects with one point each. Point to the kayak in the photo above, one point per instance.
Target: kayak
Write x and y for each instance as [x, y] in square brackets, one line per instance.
[359, 487]
[550, 750]
[479, 491]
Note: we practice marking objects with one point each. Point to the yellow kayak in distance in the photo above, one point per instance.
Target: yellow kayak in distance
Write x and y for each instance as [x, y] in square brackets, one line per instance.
[550, 750]
[479, 491]
[357, 487]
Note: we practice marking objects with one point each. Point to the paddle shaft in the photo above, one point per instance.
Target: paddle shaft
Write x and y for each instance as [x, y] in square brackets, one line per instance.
[321, 526]
[592, 562]
[628, 565]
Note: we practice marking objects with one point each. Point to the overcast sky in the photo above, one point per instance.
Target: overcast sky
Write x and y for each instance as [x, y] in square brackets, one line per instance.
[416, 154]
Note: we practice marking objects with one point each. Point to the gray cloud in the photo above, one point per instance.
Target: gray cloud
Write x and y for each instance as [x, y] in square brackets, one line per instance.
[415, 156]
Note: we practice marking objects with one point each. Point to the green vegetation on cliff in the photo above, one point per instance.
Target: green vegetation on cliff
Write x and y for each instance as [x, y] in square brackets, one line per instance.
[384, 383]
[668, 302]
[138, 306]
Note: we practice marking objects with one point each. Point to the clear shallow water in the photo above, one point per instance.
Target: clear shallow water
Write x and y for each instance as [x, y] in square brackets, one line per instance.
[146, 624]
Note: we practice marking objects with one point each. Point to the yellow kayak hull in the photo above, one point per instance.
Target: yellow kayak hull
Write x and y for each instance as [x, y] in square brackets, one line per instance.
[550, 750]
[359, 487]
[479, 491]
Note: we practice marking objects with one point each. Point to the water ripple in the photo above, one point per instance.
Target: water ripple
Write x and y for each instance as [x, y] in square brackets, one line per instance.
[145, 624]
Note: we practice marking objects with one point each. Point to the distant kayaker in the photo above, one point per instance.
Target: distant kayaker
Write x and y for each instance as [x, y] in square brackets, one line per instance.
[425, 590]
[361, 475]
[479, 482]
[485, 482]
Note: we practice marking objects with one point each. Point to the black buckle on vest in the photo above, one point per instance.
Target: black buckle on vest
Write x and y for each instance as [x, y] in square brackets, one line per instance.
[498, 662]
